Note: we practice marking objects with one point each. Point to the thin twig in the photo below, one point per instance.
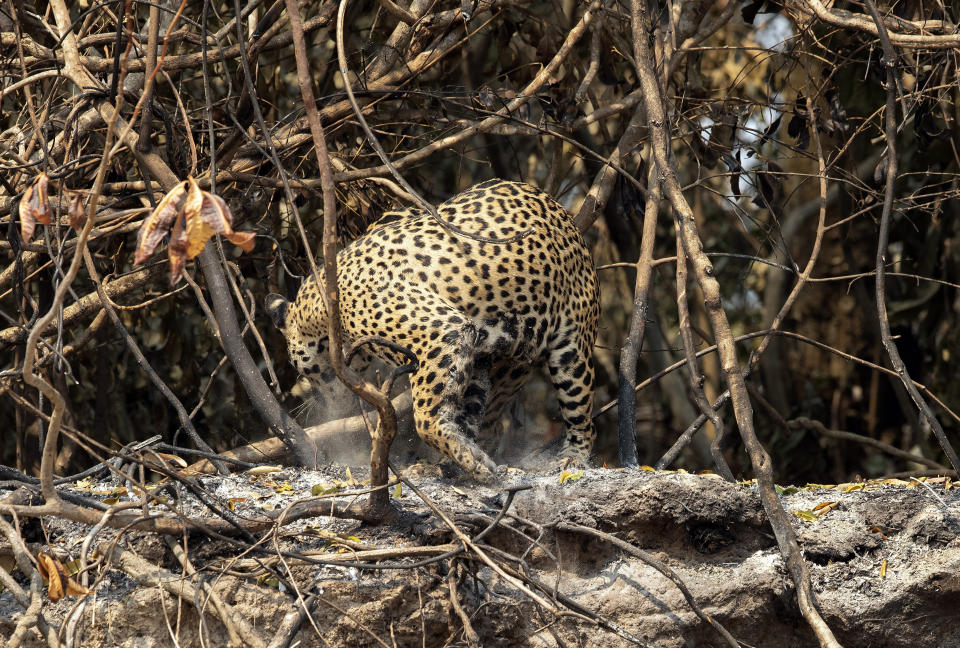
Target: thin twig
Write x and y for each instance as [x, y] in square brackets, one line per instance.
[469, 543]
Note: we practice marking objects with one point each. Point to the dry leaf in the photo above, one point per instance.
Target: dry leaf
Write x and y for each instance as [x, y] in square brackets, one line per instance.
[569, 476]
[806, 515]
[48, 569]
[823, 508]
[197, 232]
[263, 470]
[59, 584]
[34, 207]
[77, 215]
[180, 248]
[167, 461]
[191, 216]
[895, 482]
[177, 249]
[216, 215]
[350, 481]
[156, 226]
[76, 589]
[243, 240]
[173, 459]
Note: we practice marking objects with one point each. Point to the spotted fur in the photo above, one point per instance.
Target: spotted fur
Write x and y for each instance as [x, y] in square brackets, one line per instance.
[478, 316]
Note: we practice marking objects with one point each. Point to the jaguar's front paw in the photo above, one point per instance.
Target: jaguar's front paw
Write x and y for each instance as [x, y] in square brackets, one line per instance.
[507, 472]
[570, 463]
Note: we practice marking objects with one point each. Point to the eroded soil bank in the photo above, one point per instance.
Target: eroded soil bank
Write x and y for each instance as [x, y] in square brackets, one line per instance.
[884, 557]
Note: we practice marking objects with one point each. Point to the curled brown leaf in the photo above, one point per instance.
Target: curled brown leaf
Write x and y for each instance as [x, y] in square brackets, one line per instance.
[191, 216]
[243, 240]
[216, 214]
[34, 207]
[177, 250]
[77, 215]
[59, 583]
[156, 226]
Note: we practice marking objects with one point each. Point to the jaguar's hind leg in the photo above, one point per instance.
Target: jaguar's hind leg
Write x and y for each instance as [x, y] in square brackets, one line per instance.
[440, 397]
[476, 398]
[571, 371]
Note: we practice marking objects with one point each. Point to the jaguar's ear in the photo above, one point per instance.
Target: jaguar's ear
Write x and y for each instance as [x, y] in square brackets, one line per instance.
[277, 310]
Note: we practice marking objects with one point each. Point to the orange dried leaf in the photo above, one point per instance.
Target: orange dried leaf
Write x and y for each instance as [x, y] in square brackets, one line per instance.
[194, 202]
[216, 213]
[208, 214]
[27, 225]
[243, 240]
[191, 216]
[59, 583]
[34, 207]
[48, 569]
[77, 215]
[76, 589]
[172, 459]
[156, 226]
[41, 202]
[198, 233]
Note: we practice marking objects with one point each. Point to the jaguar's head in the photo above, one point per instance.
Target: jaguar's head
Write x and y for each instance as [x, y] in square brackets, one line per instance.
[303, 323]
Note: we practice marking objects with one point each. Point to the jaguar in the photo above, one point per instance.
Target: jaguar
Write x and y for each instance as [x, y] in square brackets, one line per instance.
[500, 284]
